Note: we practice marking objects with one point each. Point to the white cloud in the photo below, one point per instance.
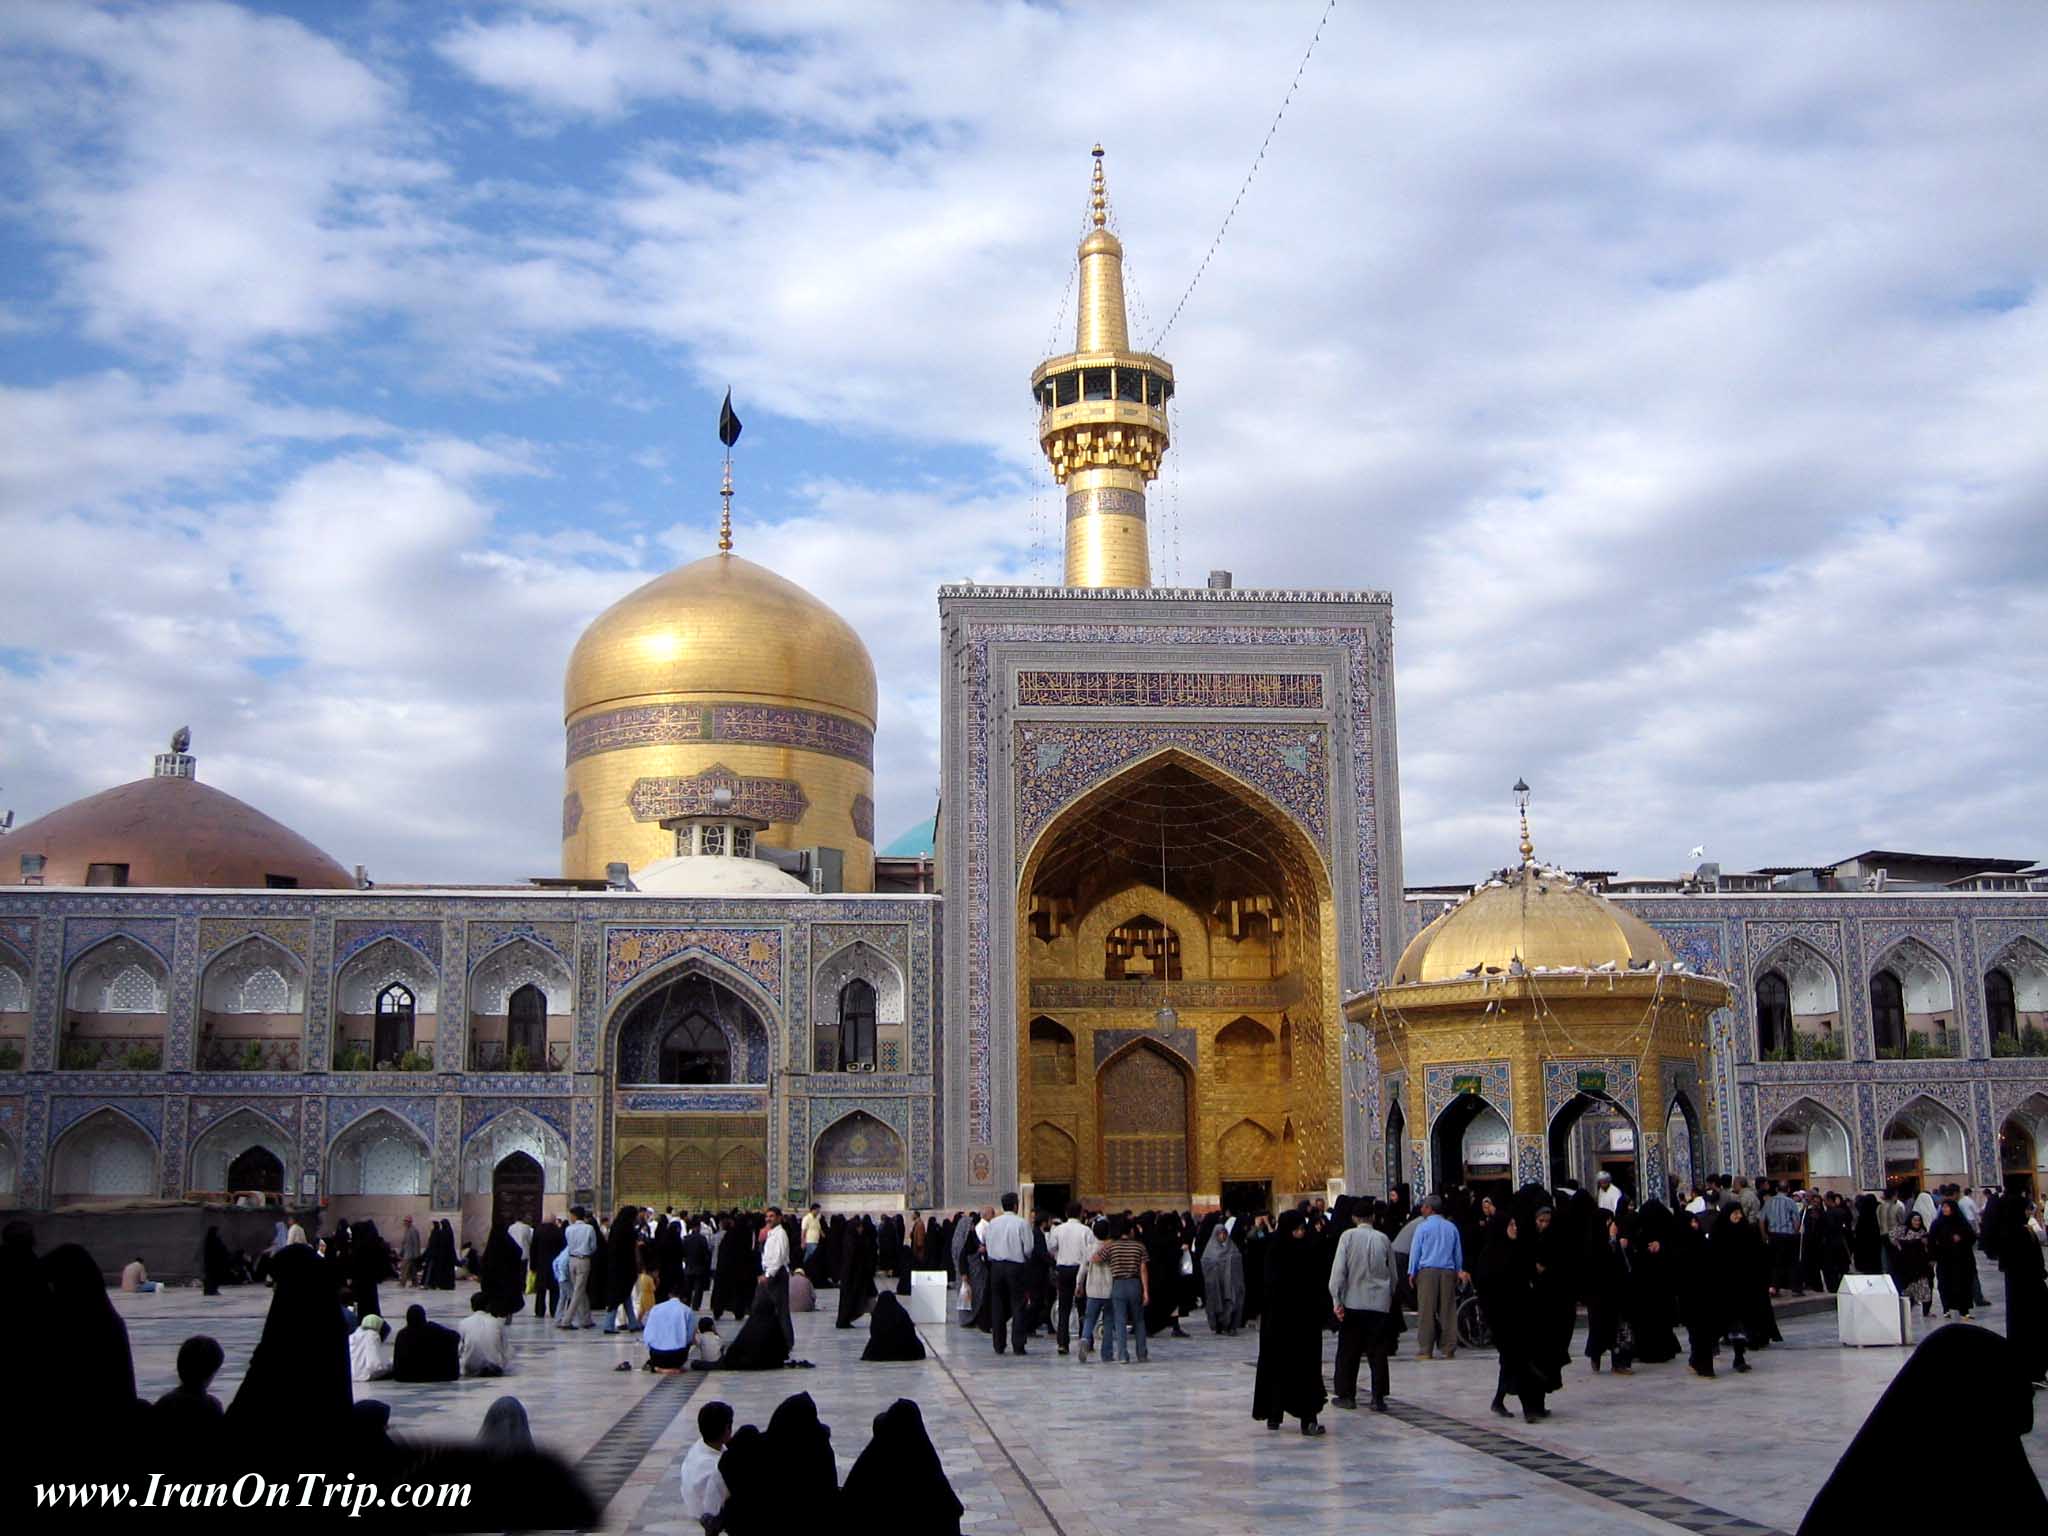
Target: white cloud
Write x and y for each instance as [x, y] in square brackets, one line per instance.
[1678, 374]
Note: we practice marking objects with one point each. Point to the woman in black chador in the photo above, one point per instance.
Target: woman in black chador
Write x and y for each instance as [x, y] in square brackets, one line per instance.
[296, 1396]
[891, 1334]
[760, 1345]
[734, 1269]
[1652, 1284]
[2026, 1292]
[369, 1266]
[1603, 1280]
[504, 1273]
[1290, 1377]
[900, 1471]
[800, 1449]
[1741, 1264]
[1866, 1239]
[1969, 1378]
[1954, 1245]
[857, 1271]
[439, 1263]
[216, 1264]
[1700, 1301]
[1505, 1274]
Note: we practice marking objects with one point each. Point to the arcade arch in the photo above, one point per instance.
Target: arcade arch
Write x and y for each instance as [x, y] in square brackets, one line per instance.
[522, 1010]
[386, 1001]
[252, 1008]
[1472, 1144]
[242, 1152]
[1798, 1006]
[104, 1157]
[1925, 1147]
[117, 1000]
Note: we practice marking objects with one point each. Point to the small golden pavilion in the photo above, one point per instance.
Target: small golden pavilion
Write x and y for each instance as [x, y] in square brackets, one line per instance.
[1535, 1032]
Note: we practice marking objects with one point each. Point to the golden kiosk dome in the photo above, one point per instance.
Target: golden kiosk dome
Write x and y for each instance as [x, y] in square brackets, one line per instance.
[1541, 917]
[719, 674]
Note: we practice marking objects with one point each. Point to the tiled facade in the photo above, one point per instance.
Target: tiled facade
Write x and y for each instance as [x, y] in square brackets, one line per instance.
[613, 949]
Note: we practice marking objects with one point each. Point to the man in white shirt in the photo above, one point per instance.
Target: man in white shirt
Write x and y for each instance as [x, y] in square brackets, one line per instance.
[521, 1232]
[1008, 1242]
[703, 1488]
[580, 1243]
[1072, 1242]
[485, 1351]
[667, 1330]
[1609, 1196]
[297, 1234]
[775, 1271]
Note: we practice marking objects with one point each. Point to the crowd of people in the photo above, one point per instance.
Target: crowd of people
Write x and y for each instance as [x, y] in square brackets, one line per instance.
[1538, 1275]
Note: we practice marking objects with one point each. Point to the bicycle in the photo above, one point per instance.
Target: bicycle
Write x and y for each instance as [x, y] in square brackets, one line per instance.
[1474, 1332]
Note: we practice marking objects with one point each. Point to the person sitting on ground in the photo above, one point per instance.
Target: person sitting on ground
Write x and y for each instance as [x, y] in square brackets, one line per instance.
[135, 1276]
[900, 1470]
[485, 1351]
[666, 1330]
[707, 1349]
[803, 1296]
[369, 1357]
[188, 1417]
[760, 1345]
[505, 1430]
[425, 1351]
[703, 1488]
[891, 1334]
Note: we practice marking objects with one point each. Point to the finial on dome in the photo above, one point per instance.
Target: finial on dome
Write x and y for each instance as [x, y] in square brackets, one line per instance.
[1099, 195]
[728, 434]
[1522, 803]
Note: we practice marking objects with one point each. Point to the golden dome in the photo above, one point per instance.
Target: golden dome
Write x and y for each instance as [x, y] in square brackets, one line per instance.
[1541, 917]
[727, 627]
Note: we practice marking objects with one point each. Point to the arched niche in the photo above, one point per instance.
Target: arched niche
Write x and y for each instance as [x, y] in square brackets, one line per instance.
[215, 1152]
[1912, 991]
[14, 988]
[1684, 1149]
[674, 1020]
[117, 995]
[1143, 903]
[514, 1130]
[10, 1169]
[1591, 1134]
[1798, 978]
[252, 1008]
[1052, 1054]
[1808, 1147]
[1925, 1147]
[2016, 1000]
[104, 1157]
[522, 1010]
[1247, 1153]
[1473, 1145]
[1397, 1169]
[2023, 1146]
[1247, 1054]
[858, 1019]
[1055, 1155]
[380, 1155]
[385, 995]
[858, 1158]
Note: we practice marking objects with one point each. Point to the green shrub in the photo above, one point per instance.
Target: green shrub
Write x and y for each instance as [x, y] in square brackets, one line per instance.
[78, 1058]
[10, 1057]
[520, 1059]
[142, 1058]
[352, 1058]
[416, 1061]
[252, 1057]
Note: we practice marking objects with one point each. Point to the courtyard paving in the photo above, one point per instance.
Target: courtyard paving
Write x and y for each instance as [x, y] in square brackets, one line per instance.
[1049, 1445]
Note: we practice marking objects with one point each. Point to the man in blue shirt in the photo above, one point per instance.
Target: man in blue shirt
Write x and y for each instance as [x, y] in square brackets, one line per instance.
[1436, 1263]
[1782, 1220]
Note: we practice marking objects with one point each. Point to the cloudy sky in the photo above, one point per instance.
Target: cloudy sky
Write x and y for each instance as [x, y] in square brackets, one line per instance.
[1680, 371]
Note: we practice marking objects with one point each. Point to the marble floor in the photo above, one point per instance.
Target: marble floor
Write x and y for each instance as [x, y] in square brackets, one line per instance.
[1050, 1445]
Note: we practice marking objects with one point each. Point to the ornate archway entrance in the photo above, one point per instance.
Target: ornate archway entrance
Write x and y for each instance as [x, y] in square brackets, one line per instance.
[1592, 1134]
[1175, 925]
[517, 1184]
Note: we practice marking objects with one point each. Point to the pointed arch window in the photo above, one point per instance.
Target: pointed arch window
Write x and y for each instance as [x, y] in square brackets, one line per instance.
[396, 1011]
[1773, 1016]
[1888, 1013]
[856, 1025]
[526, 1024]
[694, 1051]
[2001, 1006]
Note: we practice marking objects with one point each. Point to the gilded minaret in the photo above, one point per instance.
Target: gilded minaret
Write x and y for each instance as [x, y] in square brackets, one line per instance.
[1102, 418]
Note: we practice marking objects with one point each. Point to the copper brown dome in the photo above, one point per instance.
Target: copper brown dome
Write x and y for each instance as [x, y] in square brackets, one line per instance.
[168, 831]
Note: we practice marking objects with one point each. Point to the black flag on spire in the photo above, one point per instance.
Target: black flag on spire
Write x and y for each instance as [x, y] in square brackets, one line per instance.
[728, 424]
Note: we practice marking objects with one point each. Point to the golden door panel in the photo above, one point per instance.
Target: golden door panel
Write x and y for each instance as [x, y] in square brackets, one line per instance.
[691, 1161]
[1144, 1121]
